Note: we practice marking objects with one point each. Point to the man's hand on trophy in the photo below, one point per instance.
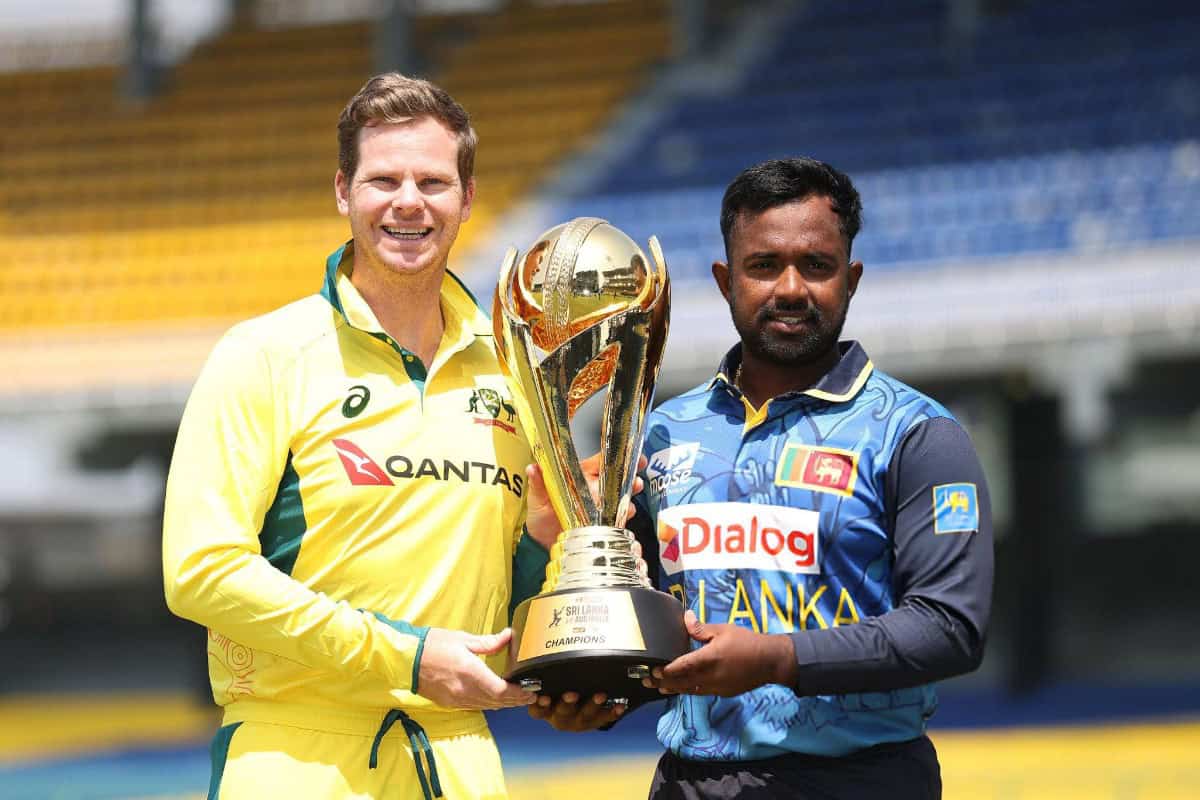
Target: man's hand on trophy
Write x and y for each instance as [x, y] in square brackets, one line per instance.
[572, 713]
[453, 675]
[732, 660]
[541, 522]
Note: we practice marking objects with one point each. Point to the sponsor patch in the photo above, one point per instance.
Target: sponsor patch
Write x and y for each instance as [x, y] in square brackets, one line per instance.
[360, 469]
[955, 508]
[821, 469]
[739, 536]
[672, 466]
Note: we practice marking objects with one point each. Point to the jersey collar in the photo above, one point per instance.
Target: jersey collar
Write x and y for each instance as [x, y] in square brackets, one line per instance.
[465, 319]
[841, 383]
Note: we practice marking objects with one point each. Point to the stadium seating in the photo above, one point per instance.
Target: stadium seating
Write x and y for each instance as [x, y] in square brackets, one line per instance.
[1056, 129]
[214, 201]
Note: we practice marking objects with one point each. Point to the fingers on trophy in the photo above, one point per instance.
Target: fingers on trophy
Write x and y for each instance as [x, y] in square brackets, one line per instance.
[583, 311]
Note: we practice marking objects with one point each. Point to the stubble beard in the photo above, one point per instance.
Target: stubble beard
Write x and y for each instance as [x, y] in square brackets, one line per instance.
[820, 336]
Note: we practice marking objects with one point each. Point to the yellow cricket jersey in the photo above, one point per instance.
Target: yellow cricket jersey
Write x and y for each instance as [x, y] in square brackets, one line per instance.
[330, 498]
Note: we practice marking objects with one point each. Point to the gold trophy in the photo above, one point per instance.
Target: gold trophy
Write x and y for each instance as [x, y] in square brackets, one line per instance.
[583, 310]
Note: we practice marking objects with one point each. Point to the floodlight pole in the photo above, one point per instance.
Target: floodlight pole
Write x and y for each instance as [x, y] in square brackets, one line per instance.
[142, 71]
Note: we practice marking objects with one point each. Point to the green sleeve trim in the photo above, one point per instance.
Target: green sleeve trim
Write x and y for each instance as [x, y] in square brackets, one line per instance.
[420, 632]
[284, 524]
[219, 752]
[529, 571]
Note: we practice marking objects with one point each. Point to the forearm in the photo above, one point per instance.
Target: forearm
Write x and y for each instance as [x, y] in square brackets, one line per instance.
[916, 643]
[240, 595]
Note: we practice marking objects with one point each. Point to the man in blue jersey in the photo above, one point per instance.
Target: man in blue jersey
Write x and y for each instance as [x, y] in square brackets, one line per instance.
[826, 526]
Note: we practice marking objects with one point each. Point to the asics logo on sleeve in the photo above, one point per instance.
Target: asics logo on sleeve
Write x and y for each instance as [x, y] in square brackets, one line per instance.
[739, 536]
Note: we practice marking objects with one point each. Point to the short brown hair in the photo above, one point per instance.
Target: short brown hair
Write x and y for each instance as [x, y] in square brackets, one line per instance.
[392, 97]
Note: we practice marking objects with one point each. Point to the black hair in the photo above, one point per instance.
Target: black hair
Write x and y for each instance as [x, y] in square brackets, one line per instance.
[788, 180]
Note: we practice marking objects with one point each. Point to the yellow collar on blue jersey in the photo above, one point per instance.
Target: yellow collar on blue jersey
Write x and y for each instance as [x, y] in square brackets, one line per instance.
[845, 380]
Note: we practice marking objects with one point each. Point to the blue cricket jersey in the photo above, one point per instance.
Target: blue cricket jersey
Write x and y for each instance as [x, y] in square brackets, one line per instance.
[852, 516]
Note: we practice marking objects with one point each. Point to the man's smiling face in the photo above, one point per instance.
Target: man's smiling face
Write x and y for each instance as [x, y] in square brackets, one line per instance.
[405, 200]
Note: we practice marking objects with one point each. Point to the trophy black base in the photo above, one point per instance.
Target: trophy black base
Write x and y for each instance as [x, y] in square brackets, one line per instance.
[596, 640]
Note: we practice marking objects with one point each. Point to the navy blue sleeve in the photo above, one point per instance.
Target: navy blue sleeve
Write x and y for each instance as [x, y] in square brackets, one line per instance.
[642, 527]
[941, 581]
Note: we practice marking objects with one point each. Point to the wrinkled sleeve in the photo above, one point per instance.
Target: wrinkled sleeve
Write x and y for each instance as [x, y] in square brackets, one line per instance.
[941, 581]
[230, 453]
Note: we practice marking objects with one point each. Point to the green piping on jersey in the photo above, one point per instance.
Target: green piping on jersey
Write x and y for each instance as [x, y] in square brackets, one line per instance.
[329, 288]
[284, 525]
[219, 753]
[529, 571]
[412, 365]
[409, 630]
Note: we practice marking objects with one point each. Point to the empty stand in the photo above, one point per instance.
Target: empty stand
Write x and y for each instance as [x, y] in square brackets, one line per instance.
[1063, 126]
[214, 201]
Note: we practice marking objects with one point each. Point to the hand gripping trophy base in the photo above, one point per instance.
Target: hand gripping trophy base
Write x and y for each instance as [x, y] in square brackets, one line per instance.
[596, 640]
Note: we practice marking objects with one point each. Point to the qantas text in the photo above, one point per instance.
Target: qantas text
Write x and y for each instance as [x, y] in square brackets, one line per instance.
[466, 471]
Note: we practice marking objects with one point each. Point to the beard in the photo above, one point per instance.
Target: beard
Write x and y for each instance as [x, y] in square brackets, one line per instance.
[818, 338]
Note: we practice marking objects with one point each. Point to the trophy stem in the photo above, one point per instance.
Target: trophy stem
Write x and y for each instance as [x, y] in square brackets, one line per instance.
[593, 557]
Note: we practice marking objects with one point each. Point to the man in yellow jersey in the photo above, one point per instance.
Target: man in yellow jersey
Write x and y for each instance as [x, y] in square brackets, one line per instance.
[346, 501]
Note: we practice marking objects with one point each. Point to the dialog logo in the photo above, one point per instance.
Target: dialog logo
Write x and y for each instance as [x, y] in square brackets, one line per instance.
[668, 545]
[739, 536]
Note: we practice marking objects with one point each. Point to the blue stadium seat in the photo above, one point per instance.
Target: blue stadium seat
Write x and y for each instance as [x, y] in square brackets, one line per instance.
[1064, 130]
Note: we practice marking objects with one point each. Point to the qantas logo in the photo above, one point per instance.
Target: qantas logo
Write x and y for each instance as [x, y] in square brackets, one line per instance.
[738, 536]
[361, 470]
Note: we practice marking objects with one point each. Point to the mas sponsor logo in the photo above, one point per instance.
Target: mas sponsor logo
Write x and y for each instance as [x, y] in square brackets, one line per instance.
[363, 471]
[495, 406]
[955, 508]
[672, 466]
[821, 469]
[739, 536]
